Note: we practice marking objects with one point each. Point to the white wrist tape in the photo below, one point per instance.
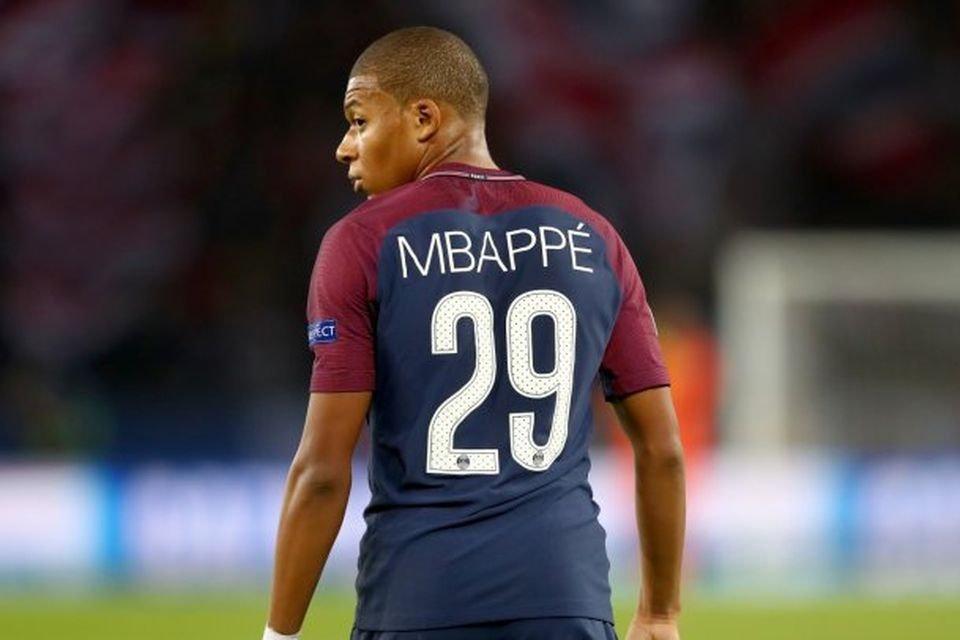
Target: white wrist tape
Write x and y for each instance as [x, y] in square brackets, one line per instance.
[270, 634]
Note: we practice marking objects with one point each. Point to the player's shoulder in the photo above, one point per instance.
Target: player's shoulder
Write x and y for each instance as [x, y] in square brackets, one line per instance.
[369, 221]
[573, 205]
[363, 226]
[377, 213]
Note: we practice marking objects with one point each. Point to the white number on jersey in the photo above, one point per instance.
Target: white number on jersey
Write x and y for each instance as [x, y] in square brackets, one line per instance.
[442, 456]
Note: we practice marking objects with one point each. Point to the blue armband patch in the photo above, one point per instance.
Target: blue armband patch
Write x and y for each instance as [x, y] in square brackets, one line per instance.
[322, 332]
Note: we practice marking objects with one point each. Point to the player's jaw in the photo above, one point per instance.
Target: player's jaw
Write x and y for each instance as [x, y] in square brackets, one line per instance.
[380, 163]
[375, 175]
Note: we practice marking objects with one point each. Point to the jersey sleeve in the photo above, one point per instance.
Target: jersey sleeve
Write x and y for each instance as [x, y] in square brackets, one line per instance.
[632, 361]
[340, 324]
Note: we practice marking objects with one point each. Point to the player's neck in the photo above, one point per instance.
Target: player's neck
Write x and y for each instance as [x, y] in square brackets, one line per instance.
[468, 147]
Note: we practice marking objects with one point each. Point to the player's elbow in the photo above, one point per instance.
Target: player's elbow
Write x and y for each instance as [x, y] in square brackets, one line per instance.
[312, 478]
[664, 455]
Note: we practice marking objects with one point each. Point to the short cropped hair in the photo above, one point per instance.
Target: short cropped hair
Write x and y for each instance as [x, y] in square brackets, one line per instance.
[425, 62]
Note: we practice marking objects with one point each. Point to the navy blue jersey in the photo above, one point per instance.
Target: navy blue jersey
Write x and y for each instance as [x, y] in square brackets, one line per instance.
[479, 307]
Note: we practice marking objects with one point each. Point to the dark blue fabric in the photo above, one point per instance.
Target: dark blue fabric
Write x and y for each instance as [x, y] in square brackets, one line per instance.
[442, 550]
[543, 629]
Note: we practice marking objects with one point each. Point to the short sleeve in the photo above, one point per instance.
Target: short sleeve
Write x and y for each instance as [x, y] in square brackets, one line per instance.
[340, 326]
[632, 361]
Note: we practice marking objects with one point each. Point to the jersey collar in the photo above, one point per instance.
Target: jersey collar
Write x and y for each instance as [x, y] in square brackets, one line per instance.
[459, 170]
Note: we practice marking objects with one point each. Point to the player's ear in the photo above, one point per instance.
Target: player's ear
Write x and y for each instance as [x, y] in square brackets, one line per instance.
[427, 117]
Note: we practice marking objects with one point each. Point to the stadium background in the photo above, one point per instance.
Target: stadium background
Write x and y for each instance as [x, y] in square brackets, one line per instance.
[785, 174]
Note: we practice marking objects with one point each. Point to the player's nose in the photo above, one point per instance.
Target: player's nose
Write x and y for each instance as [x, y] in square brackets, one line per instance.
[346, 150]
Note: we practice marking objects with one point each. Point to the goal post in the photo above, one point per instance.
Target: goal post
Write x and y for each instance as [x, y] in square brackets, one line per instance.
[840, 340]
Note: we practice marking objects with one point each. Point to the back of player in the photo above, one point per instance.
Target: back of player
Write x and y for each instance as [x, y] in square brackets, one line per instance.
[487, 305]
[464, 312]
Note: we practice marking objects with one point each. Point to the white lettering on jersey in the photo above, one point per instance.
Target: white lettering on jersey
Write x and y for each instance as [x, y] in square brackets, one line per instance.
[545, 245]
[489, 252]
[456, 251]
[424, 268]
[512, 251]
[463, 250]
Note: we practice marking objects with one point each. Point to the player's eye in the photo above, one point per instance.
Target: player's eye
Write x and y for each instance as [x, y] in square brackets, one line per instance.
[359, 122]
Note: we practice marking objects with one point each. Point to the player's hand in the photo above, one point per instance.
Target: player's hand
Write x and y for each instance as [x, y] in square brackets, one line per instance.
[644, 628]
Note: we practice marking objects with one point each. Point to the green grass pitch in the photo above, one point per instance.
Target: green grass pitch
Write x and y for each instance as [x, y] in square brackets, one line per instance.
[149, 616]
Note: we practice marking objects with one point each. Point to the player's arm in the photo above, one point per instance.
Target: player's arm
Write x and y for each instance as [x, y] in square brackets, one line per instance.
[649, 420]
[314, 501]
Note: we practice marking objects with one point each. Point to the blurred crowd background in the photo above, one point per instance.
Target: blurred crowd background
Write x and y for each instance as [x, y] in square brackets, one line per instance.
[167, 173]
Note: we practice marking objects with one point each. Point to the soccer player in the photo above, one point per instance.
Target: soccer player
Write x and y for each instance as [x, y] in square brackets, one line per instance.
[464, 311]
